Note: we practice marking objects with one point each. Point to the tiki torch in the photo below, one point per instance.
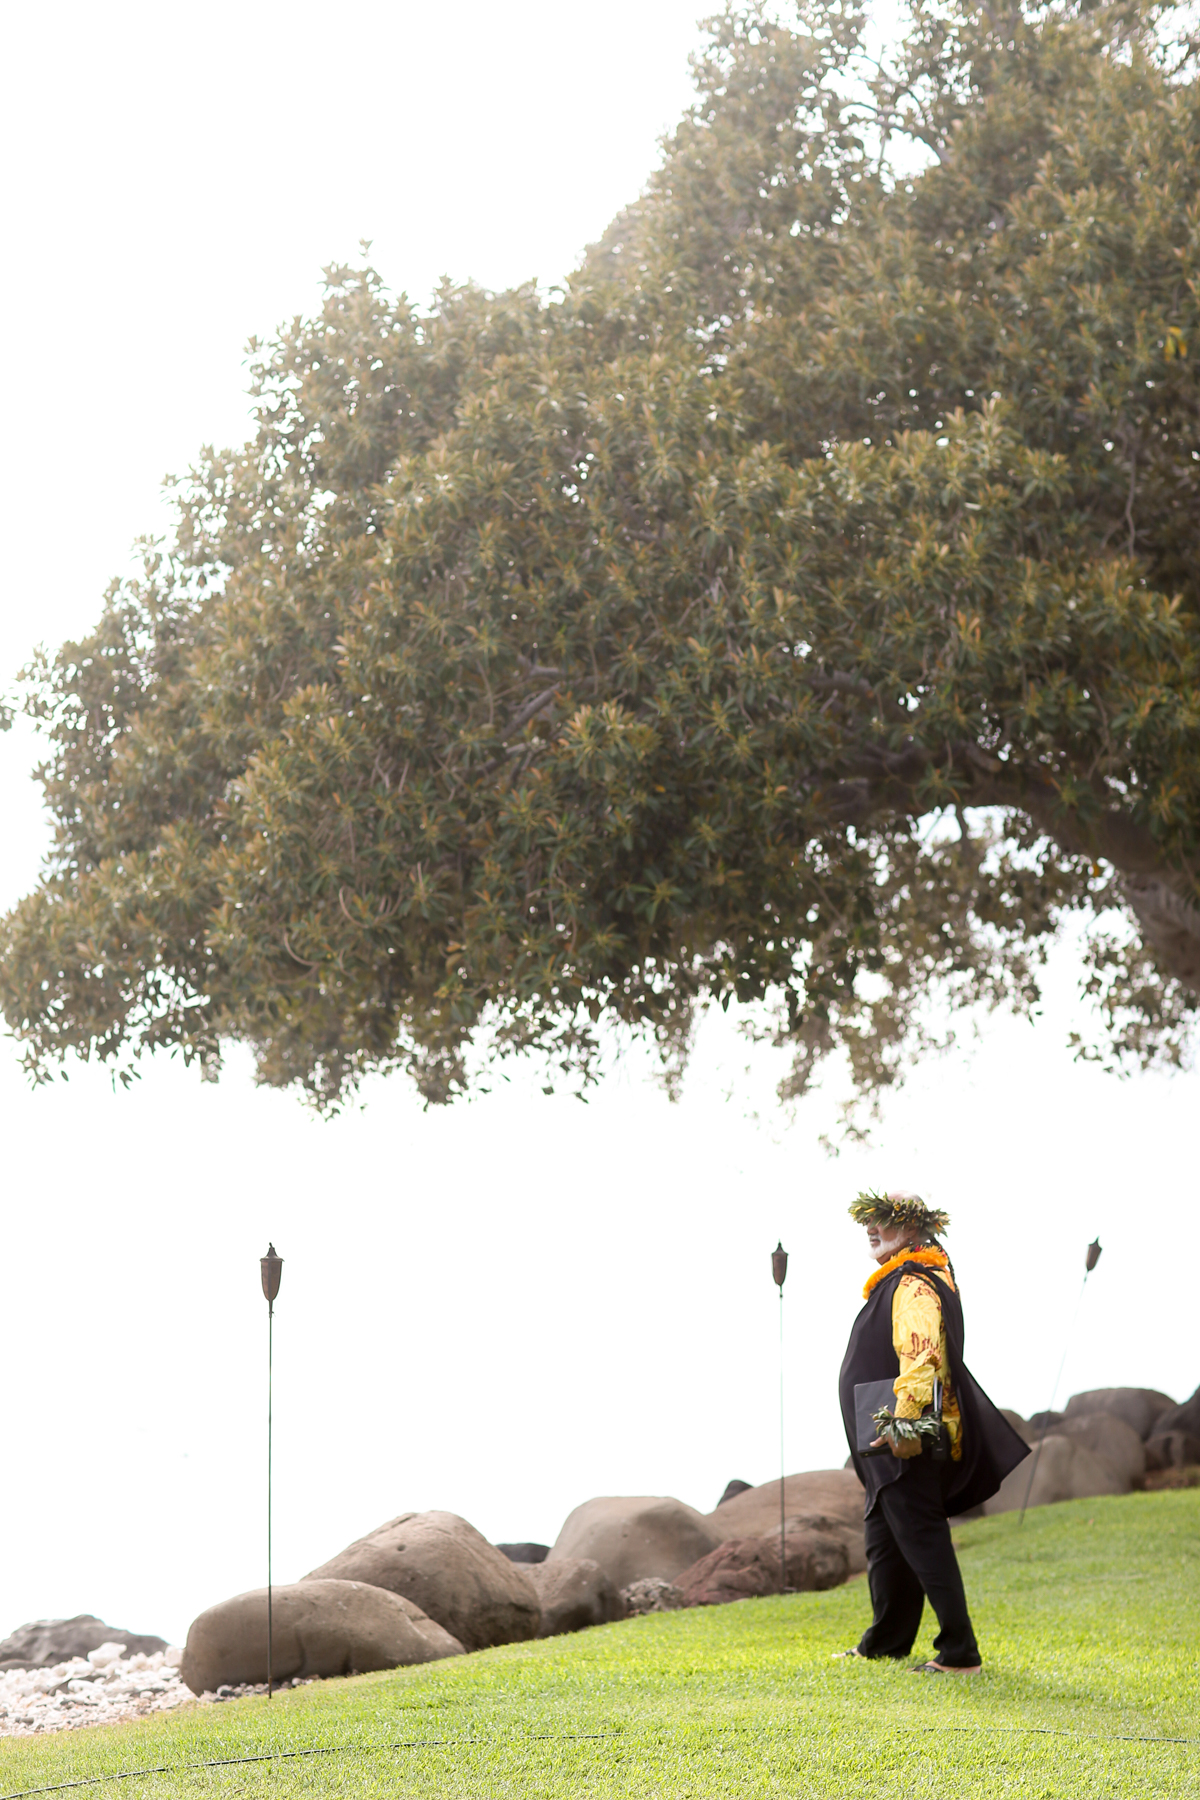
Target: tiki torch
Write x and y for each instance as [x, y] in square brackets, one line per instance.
[272, 1270]
[779, 1272]
[1089, 1262]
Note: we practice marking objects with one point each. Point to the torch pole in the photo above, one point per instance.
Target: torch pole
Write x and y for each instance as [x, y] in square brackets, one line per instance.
[270, 1409]
[782, 1462]
[271, 1268]
[779, 1264]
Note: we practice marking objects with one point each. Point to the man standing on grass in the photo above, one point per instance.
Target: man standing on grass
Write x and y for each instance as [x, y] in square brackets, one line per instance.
[910, 1334]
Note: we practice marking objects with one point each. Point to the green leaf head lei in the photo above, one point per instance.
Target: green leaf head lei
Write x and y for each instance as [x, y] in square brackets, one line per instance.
[890, 1210]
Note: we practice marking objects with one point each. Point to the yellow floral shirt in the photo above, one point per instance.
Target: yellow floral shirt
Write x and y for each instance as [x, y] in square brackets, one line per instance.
[919, 1340]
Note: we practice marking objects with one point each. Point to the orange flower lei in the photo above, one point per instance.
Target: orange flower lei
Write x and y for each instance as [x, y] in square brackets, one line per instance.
[933, 1259]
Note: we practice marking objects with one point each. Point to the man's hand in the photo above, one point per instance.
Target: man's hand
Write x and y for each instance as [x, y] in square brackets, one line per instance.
[901, 1447]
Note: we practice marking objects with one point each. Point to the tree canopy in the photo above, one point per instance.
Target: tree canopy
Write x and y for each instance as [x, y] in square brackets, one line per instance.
[800, 607]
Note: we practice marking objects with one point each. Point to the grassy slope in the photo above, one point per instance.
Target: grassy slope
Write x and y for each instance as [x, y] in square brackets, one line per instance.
[1087, 1616]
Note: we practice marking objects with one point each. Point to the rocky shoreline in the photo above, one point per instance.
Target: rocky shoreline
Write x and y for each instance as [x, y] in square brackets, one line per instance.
[101, 1688]
[93, 1690]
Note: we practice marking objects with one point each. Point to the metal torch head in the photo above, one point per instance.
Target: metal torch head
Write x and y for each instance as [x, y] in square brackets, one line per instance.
[1093, 1254]
[779, 1265]
[272, 1270]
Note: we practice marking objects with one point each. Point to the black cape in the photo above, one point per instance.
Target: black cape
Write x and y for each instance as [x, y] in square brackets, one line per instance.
[991, 1449]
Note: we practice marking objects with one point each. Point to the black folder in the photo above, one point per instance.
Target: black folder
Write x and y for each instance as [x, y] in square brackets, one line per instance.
[871, 1397]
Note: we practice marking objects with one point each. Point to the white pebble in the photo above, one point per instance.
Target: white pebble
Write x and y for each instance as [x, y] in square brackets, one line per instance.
[90, 1690]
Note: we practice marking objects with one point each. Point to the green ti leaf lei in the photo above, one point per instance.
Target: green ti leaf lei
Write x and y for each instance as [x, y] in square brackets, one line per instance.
[906, 1430]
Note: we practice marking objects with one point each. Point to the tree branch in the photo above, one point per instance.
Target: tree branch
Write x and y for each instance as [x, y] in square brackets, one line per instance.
[879, 782]
[529, 711]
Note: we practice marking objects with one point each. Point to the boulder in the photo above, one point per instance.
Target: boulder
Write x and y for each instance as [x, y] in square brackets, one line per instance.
[827, 1500]
[1180, 1418]
[574, 1593]
[1171, 1450]
[318, 1628]
[44, 1642]
[450, 1571]
[744, 1568]
[740, 1569]
[1065, 1470]
[733, 1488]
[637, 1538]
[1111, 1441]
[524, 1553]
[816, 1552]
[854, 1539]
[1140, 1408]
[851, 1537]
[833, 1493]
[1041, 1423]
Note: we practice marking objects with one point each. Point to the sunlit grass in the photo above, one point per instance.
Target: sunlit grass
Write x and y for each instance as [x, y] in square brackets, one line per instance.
[1087, 1617]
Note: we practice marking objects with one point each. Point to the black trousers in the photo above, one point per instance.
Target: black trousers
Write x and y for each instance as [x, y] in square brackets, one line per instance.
[910, 1559]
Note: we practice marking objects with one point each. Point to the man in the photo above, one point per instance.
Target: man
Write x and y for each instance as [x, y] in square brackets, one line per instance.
[911, 1332]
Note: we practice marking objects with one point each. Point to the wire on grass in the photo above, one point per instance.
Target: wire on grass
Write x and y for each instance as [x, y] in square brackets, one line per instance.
[545, 1737]
[225, 1762]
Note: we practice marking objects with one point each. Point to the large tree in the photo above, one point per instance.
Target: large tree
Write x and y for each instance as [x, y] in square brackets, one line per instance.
[799, 608]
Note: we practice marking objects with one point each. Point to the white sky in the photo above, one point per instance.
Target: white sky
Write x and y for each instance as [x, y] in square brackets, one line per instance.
[509, 1307]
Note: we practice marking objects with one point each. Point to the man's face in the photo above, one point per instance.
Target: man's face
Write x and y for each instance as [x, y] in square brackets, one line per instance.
[888, 1241]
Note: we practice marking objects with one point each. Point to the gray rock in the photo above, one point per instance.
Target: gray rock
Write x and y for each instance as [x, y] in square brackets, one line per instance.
[574, 1593]
[524, 1553]
[851, 1537]
[1040, 1423]
[748, 1568]
[739, 1569]
[827, 1500]
[636, 1538]
[1065, 1470]
[733, 1488]
[650, 1595]
[1172, 1450]
[1141, 1408]
[1113, 1443]
[1181, 1418]
[318, 1628]
[832, 1493]
[450, 1571]
[44, 1642]
[818, 1553]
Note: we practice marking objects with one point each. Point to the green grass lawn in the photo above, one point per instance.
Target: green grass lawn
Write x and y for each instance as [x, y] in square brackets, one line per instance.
[1088, 1617]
